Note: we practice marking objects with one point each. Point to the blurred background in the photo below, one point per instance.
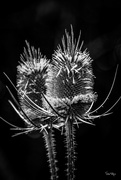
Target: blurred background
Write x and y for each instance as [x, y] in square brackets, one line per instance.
[42, 23]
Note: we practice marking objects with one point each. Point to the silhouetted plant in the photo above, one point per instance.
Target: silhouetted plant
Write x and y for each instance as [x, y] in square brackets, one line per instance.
[57, 94]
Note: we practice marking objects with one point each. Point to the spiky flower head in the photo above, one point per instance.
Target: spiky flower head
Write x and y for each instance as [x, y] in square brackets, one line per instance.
[31, 78]
[70, 77]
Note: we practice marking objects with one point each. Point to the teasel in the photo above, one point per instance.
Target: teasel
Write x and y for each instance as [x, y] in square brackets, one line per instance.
[57, 94]
[70, 90]
[32, 72]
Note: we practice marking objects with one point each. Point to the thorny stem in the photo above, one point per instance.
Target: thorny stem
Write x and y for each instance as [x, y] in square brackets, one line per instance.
[50, 146]
[70, 145]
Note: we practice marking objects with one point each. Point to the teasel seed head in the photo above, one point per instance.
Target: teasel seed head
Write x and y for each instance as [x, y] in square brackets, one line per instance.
[70, 76]
[31, 78]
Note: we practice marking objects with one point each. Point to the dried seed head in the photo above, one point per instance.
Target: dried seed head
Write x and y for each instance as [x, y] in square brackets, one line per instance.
[70, 77]
[31, 76]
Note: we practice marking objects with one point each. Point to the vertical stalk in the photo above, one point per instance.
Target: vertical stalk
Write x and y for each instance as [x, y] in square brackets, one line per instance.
[50, 146]
[70, 145]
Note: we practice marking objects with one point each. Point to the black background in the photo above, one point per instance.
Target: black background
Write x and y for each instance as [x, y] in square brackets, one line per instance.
[42, 24]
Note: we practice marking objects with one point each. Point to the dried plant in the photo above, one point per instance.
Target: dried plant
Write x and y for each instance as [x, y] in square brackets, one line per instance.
[57, 94]
[31, 88]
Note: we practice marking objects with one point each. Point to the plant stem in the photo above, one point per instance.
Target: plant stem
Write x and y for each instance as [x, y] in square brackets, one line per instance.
[50, 146]
[70, 145]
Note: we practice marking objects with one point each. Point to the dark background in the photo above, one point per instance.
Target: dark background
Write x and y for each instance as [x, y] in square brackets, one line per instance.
[42, 24]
